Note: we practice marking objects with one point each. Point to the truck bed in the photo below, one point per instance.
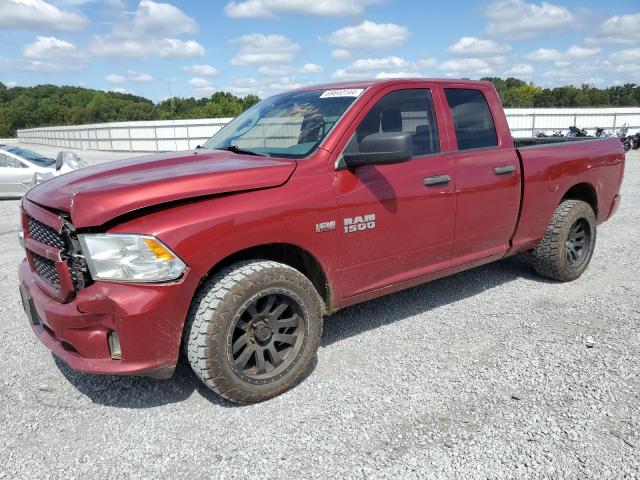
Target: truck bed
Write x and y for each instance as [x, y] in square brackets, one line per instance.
[551, 166]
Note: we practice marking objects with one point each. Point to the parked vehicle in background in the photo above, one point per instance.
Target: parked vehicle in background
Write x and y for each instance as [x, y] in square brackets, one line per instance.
[308, 202]
[21, 169]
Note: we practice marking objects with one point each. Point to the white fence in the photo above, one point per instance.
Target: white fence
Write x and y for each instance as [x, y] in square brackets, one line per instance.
[149, 136]
[170, 135]
[526, 122]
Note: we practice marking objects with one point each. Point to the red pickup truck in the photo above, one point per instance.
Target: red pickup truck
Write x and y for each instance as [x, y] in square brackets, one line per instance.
[308, 202]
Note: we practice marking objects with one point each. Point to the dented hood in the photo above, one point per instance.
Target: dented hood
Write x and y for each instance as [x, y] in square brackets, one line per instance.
[95, 195]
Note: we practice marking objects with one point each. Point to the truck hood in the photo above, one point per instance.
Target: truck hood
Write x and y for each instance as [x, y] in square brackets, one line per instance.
[95, 195]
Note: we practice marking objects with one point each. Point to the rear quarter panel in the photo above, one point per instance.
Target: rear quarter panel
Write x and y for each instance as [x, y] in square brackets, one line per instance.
[550, 171]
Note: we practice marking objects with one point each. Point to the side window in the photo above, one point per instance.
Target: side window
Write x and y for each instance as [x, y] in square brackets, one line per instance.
[10, 162]
[409, 111]
[471, 118]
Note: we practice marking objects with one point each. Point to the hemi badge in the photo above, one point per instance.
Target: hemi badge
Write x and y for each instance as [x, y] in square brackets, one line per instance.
[325, 226]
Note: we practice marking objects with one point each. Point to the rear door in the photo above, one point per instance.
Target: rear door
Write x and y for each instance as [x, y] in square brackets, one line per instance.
[487, 174]
[397, 220]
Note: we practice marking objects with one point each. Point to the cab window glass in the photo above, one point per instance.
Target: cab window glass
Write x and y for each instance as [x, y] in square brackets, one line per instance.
[410, 111]
[471, 118]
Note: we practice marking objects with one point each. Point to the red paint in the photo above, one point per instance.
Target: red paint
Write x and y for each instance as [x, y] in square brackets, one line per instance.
[210, 205]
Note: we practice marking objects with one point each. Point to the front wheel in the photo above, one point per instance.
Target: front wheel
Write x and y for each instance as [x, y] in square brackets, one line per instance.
[253, 330]
[565, 251]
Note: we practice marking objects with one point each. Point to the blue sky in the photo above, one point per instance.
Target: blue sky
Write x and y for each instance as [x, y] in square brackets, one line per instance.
[193, 48]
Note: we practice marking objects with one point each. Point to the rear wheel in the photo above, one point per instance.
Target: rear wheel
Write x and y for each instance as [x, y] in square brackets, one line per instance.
[565, 250]
[253, 330]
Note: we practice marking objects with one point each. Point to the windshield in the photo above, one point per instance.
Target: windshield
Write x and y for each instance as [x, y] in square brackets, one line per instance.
[29, 156]
[290, 125]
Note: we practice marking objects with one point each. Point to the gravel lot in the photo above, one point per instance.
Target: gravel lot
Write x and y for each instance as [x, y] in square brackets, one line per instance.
[492, 373]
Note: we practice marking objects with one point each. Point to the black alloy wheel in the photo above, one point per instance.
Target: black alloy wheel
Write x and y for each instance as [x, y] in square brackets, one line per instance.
[266, 336]
[578, 242]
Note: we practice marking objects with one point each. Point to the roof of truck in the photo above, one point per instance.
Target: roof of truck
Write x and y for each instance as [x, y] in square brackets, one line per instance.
[394, 81]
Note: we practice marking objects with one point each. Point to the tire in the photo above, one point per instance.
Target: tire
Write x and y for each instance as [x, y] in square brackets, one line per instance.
[572, 221]
[253, 330]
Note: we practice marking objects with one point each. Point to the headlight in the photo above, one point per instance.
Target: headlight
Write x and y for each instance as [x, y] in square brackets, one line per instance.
[130, 258]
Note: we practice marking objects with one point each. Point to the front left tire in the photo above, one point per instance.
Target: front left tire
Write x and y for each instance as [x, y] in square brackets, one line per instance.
[253, 330]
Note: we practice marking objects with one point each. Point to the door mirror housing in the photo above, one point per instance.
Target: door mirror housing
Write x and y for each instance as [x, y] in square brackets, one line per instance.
[381, 149]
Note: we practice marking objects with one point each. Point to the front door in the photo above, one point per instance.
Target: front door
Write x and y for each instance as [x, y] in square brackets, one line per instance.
[397, 220]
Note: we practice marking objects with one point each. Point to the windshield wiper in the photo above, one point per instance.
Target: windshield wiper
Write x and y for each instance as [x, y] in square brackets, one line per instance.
[237, 149]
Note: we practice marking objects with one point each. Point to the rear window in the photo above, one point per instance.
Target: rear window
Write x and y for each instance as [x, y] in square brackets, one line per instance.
[471, 118]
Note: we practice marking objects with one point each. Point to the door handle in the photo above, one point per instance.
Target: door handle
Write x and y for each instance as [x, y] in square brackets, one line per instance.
[437, 180]
[504, 170]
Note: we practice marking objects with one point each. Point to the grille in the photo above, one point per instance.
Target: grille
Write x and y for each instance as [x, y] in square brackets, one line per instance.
[45, 234]
[46, 269]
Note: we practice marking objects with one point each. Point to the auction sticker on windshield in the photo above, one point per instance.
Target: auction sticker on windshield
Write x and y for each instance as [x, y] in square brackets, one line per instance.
[344, 92]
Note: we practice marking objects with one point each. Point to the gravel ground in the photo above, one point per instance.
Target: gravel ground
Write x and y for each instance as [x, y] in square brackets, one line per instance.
[492, 373]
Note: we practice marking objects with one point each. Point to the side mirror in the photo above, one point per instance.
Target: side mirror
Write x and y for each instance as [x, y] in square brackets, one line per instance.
[381, 149]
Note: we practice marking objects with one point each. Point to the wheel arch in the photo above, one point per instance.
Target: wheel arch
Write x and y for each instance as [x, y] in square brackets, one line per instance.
[583, 191]
[288, 254]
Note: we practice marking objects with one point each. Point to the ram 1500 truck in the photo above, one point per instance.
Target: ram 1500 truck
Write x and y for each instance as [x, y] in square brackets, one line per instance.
[308, 202]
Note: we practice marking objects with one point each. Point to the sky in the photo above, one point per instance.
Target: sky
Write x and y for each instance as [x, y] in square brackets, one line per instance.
[194, 48]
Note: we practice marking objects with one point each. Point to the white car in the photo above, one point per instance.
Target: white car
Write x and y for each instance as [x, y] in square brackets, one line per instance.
[21, 169]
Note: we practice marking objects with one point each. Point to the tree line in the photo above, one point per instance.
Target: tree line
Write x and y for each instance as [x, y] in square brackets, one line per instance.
[516, 93]
[47, 105]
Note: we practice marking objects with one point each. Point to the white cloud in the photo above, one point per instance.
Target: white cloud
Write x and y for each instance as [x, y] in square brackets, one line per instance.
[259, 49]
[109, 46]
[51, 49]
[473, 67]
[174, 48]
[271, 8]
[157, 19]
[38, 15]
[518, 19]
[370, 35]
[43, 66]
[201, 87]
[151, 32]
[245, 86]
[373, 67]
[341, 54]
[119, 90]
[398, 74]
[134, 76]
[621, 29]
[275, 70]
[199, 82]
[628, 56]
[206, 70]
[49, 55]
[562, 60]
[521, 70]
[428, 63]
[576, 51]
[544, 55]
[477, 46]
[262, 88]
[113, 78]
[310, 68]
